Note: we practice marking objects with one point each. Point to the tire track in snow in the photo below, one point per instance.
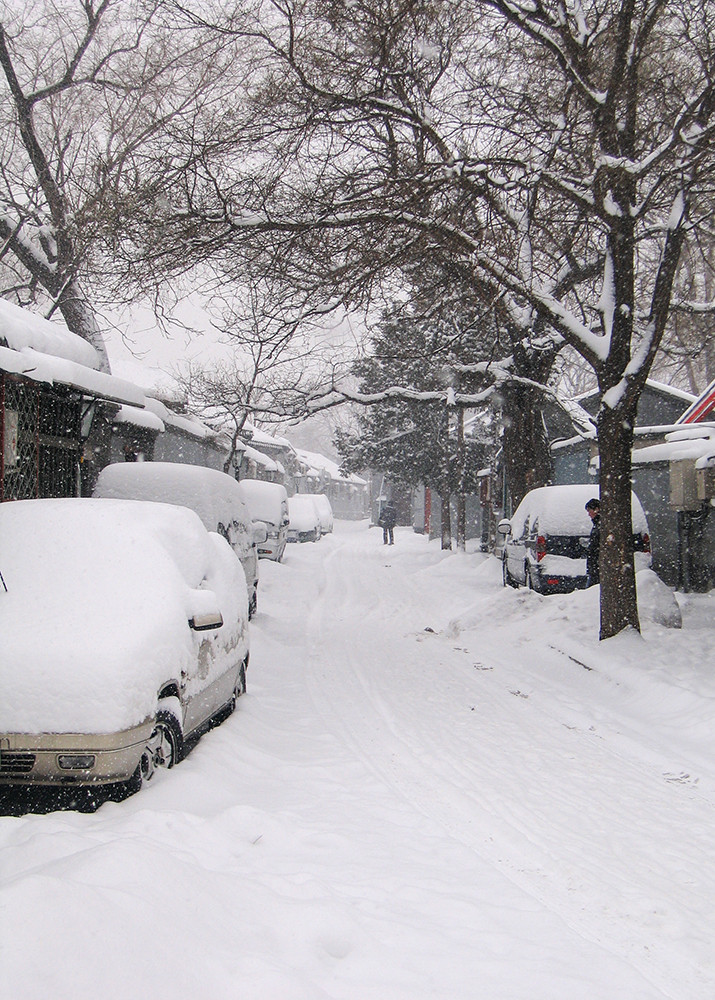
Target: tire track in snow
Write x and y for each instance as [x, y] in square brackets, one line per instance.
[381, 691]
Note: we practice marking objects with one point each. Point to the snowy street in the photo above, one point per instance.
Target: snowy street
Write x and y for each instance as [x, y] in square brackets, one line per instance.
[435, 787]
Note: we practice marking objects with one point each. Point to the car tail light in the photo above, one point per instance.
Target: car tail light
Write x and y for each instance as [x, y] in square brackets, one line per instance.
[646, 542]
[540, 548]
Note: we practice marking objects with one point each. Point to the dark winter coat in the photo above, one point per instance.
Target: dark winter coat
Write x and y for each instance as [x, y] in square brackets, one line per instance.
[388, 517]
[592, 553]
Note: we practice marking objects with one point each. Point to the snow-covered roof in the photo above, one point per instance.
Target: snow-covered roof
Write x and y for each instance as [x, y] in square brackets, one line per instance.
[695, 442]
[21, 329]
[47, 352]
[319, 463]
[260, 459]
[651, 383]
[41, 367]
[670, 390]
[139, 418]
[183, 422]
[262, 437]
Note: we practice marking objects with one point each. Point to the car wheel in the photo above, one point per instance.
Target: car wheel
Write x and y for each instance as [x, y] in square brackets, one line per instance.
[169, 739]
[241, 682]
[238, 690]
[136, 781]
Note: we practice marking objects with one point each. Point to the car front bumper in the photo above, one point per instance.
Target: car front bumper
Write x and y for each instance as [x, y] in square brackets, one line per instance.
[30, 759]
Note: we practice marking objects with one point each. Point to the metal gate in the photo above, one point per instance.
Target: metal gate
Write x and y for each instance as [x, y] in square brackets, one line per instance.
[39, 440]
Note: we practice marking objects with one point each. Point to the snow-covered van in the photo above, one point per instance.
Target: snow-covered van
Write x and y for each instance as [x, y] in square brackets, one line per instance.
[268, 504]
[215, 496]
[124, 631]
[325, 511]
[545, 540]
[304, 520]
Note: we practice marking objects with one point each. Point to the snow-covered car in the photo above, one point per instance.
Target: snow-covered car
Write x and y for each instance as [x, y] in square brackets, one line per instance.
[545, 540]
[325, 511]
[124, 631]
[215, 496]
[304, 520]
[268, 504]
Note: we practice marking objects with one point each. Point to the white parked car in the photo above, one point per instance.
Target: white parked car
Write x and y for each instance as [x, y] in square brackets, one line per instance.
[325, 511]
[124, 633]
[268, 504]
[545, 540]
[215, 496]
[304, 523]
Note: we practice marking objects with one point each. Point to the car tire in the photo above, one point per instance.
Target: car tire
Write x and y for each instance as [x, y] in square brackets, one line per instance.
[241, 682]
[134, 784]
[239, 689]
[171, 748]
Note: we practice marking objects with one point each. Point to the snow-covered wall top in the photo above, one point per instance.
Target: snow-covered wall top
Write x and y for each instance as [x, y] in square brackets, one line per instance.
[20, 329]
[321, 463]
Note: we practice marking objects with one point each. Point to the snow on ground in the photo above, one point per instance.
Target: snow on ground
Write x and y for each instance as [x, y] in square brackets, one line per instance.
[435, 788]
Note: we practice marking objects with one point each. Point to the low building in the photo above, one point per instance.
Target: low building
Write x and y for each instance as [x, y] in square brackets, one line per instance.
[56, 408]
[349, 495]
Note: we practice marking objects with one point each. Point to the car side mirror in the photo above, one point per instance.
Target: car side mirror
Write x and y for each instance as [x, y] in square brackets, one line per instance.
[260, 532]
[206, 620]
[504, 527]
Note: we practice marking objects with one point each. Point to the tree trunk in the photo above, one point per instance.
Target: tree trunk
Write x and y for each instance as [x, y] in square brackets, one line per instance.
[81, 319]
[461, 498]
[461, 522]
[446, 520]
[527, 457]
[619, 608]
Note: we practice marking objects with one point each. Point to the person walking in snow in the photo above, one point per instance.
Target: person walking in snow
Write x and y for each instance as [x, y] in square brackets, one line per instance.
[593, 576]
[387, 520]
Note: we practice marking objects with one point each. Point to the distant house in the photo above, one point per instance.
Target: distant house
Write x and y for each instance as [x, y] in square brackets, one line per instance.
[349, 495]
[62, 420]
[282, 467]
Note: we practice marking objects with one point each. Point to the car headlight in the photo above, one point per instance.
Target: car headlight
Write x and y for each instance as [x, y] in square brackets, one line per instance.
[76, 761]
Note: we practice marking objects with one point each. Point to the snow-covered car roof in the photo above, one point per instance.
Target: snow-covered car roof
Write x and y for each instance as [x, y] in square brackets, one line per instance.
[95, 615]
[264, 499]
[303, 513]
[324, 508]
[561, 510]
[215, 496]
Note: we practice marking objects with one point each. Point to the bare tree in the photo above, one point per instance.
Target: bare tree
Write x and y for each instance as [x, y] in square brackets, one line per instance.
[558, 151]
[272, 364]
[89, 88]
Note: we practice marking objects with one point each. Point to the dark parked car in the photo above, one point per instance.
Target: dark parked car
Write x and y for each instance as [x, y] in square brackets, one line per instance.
[545, 540]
